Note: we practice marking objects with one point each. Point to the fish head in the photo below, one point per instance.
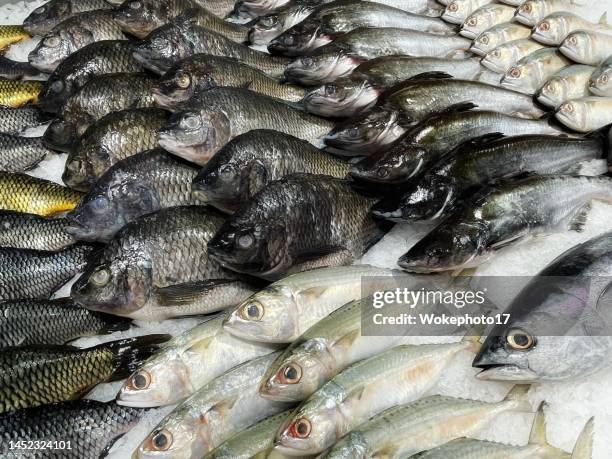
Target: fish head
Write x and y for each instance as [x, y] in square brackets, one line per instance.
[266, 28]
[141, 17]
[179, 84]
[577, 45]
[550, 31]
[78, 170]
[51, 51]
[485, 42]
[47, 16]
[54, 94]
[396, 165]
[324, 66]
[353, 446]
[474, 23]
[456, 11]
[530, 12]
[195, 135]
[573, 114]
[60, 135]
[344, 97]
[179, 436]
[162, 48]
[299, 39]
[497, 59]
[520, 77]
[554, 92]
[600, 82]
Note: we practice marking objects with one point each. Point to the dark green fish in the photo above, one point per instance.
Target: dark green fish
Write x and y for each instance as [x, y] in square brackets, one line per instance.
[47, 16]
[18, 154]
[29, 231]
[17, 120]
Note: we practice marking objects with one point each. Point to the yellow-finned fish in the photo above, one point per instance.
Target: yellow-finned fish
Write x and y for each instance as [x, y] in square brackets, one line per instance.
[10, 34]
[17, 93]
[23, 193]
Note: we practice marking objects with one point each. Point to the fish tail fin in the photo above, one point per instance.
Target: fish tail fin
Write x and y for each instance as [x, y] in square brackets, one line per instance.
[583, 449]
[518, 395]
[538, 428]
[128, 354]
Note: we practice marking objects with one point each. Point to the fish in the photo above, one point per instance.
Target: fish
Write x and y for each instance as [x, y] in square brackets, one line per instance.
[37, 274]
[569, 83]
[15, 93]
[13, 70]
[520, 351]
[187, 363]
[237, 33]
[28, 322]
[169, 44]
[217, 116]
[486, 17]
[399, 375]
[345, 53]
[29, 231]
[99, 97]
[89, 426]
[586, 114]
[16, 120]
[332, 20]
[228, 403]
[478, 162]
[266, 28]
[533, 11]
[203, 72]
[246, 10]
[114, 137]
[38, 375]
[502, 58]
[457, 11]
[251, 161]
[600, 81]
[502, 215]
[424, 424]
[498, 35]
[266, 238]
[586, 47]
[100, 58]
[11, 34]
[18, 154]
[22, 193]
[47, 16]
[71, 35]
[554, 28]
[531, 72]
[426, 143]
[138, 185]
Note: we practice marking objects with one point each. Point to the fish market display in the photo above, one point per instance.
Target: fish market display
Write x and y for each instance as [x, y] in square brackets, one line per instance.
[17, 120]
[486, 17]
[554, 28]
[569, 83]
[52, 322]
[600, 83]
[13, 70]
[29, 231]
[531, 72]
[586, 114]
[10, 34]
[18, 154]
[44, 18]
[502, 58]
[498, 35]
[587, 47]
[18, 93]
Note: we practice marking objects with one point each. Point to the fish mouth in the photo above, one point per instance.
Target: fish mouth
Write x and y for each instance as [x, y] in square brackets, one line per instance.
[163, 100]
[476, 50]
[504, 372]
[493, 66]
[468, 33]
[123, 398]
[543, 39]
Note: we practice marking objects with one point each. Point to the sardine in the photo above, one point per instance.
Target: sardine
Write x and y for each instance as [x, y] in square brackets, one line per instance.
[533, 11]
[17, 120]
[587, 47]
[498, 35]
[502, 58]
[600, 83]
[569, 83]
[14, 70]
[531, 72]
[457, 11]
[28, 231]
[18, 154]
[586, 114]
[45, 17]
[486, 17]
[10, 34]
[554, 28]
[18, 93]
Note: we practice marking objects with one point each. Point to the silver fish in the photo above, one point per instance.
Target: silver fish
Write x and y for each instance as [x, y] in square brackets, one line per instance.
[586, 114]
[587, 47]
[600, 83]
[553, 29]
[531, 72]
[533, 11]
[569, 83]
[502, 58]
[498, 35]
[457, 11]
[486, 17]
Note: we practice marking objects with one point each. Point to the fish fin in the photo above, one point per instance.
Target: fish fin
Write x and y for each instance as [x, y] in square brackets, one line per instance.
[603, 20]
[225, 405]
[109, 446]
[321, 253]
[430, 76]
[472, 337]
[115, 323]
[187, 293]
[357, 394]
[460, 107]
[583, 449]
[579, 220]
[347, 340]
[538, 428]
[128, 354]
[509, 241]
[591, 167]
[201, 345]
[458, 54]
[482, 140]
[518, 394]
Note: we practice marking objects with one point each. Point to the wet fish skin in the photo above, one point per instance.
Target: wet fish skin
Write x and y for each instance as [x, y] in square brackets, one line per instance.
[13, 70]
[38, 274]
[116, 136]
[10, 34]
[469, 237]
[586, 47]
[203, 72]
[17, 120]
[457, 11]
[486, 17]
[600, 83]
[554, 28]
[569, 83]
[586, 114]
[19, 93]
[266, 28]
[252, 160]
[245, 10]
[533, 11]
[531, 72]
[47, 16]
[502, 58]
[28, 231]
[18, 154]
[498, 35]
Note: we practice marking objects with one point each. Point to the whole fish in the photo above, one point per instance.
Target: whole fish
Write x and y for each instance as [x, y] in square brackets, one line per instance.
[42, 374]
[511, 353]
[600, 82]
[47, 16]
[229, 404]
[486, 17]
[533, 11]
[186, 363]
[426, 143]
[10, 34]
[22, 193]
[26, 322]
[424, 424]
[268, 237]
[498, 35]
[71, 35]
[28, 231]
[199, 16]
[38, 274]
[203, 72]
[399, 375]
[138, 185]
[554, 28]
[116, 136]
[18, 93]
[345, 53]
[272, 316]
[18, 154]
[531, 72]
[479, 162]
[100, 58]
[502, 215]
[587, 47]
[569, 83]
[251, 161]
[14, 70]
[457, 11]
[586, 114]
[502, 58]
[88, 425]
[166, 46]
[158, 250]
[17, 120]
[334, 19]
[217, 116]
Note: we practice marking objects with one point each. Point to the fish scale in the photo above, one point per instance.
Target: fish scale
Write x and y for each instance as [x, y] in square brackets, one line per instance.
[50, 14]
[29, 231]
[10, 34]
[17, 93]
[16, 120]
[18, 154]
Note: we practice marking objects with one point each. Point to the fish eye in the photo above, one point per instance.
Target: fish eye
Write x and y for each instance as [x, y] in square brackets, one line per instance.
[472, 22]
[330, 89]
[519, 339]
[57, 86]
[101, 277]
[245, 241]
[496, 53]
[604, 78]
[383, 172]
[226, 171]
[140, 380]
[191, 121]
[568, 108]
[52, 41]
[159, 42]
[307, 62]
[269, 21]
[301, 428]
[544, 26]
[515, 72]
[135, 5]
[40, 10]
[526, 8]
[161, 440]
[353, 132]
[290, 374]
[484, 40]
[252, 311]
[183, 80]
[573, 40]
[99, 204]
[289, 40]
[453, 7]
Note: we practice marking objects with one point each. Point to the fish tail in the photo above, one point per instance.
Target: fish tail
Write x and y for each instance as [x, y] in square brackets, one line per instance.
[583, 449]
[130, 353]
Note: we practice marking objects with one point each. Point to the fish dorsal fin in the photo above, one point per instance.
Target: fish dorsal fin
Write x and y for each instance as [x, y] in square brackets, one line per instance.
[430, 76]
[460, 107]
[538, 429]
[583, 449]
[187, 293]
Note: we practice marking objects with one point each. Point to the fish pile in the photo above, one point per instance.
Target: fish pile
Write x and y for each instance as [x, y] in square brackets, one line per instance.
[208, 178]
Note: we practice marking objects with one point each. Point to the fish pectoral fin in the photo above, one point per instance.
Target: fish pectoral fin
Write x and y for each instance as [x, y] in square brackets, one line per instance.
[578, 221]
[356, 395]
[109, 446]
[429, 76]
[483, 139]
[460, 107]
[538, 428]
[325, 256]
[591, 167]
[187, 293]
[583, 449]
[224, 406]
[506, 242]
[201, 345]
[603, 20]
[347, 340]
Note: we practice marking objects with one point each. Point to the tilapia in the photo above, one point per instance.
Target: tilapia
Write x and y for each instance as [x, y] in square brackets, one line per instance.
[457, 11]
[26, 322]
[18, 93]
[188, 362]
[498, 35]
[215, 117]
[14, 70]
[270, 236]
[553, 29]
[586, 114]
[47, 16]
[18, 154]
[502, 58]
[481, 161]
[203, 72]
[38, 375]
[28, 231]
[502, 215]
[138, 185]
[587, 47]
[228, 403]
[555, 304]
[116, 136]
[569, 83]
[38, 274]
[486, 17]
[531, 72]
[245, 10]
[10, 34]
[100, 58]
[251, 161]
[266, 28]
[22, 193]
[600, 82]
[533, 11]
[17, 120]
[199, 16]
